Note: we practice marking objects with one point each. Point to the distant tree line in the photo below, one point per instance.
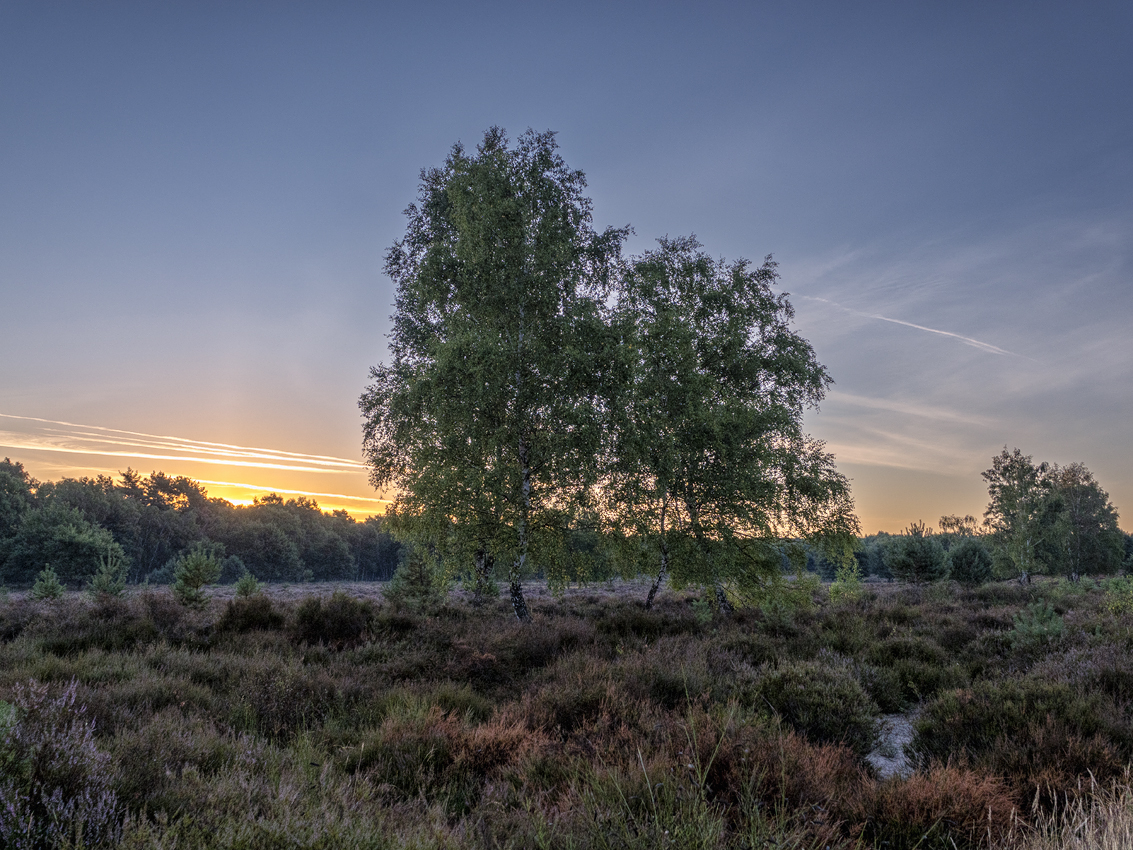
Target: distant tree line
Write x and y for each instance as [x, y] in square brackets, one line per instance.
[1042, 519]
[150, 521]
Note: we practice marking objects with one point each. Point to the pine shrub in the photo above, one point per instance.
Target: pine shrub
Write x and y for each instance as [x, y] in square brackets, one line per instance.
[191, 572]
[247, 585]
[970, 562]
[110, 580]
[47, 585]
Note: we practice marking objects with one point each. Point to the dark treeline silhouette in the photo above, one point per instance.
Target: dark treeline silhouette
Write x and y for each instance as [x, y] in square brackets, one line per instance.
[73, 524]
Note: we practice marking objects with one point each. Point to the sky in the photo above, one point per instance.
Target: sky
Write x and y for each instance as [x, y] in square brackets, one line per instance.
[196, 199]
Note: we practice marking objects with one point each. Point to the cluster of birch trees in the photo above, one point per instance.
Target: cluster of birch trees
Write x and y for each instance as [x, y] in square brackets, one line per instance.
[540, 382]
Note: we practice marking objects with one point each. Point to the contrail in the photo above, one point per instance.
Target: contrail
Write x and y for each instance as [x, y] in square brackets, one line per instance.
[292, 492]
[51, 447]
[967, 340]
[219, 453]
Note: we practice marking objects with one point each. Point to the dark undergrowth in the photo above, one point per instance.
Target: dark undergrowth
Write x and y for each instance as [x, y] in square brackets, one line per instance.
[336, 721]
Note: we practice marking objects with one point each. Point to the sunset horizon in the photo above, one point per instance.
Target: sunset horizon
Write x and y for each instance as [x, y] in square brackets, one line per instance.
[195, 210]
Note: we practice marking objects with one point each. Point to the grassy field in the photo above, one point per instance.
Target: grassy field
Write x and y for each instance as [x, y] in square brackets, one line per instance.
[322, 716]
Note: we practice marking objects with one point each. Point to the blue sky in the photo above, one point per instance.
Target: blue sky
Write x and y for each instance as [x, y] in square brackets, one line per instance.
[195, 200]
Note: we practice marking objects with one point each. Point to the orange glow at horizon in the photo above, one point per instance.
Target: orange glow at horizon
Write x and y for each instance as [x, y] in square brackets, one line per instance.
[54, 447]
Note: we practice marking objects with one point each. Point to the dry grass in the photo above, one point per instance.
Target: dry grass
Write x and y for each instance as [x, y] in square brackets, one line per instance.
[1096, 820]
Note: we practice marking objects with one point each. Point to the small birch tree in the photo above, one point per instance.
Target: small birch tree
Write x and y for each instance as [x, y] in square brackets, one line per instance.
[487, 418]
[710, 470]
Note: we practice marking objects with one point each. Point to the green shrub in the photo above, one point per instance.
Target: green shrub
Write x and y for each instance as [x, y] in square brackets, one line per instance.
[339, 621]
[970, 562]
[847, 585]
[416, 584]
[1119, 595]
[192, 571]
[824, 702]
[110, 580]
[1039, 625]
[247, 585]
[279, 700]
[919, 666]
[1031, 731]
[917, 556]
[47, 585]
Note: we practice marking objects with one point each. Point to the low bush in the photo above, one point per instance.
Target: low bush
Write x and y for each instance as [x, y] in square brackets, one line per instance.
[192, 572]
[945, 807]
[77, 625]
[338, 622]
[824, 702]
[1038, 626]
[244, 614]
[970, 562]
[919, 666]
[1033, 732]
[279, 700]
[47, 586]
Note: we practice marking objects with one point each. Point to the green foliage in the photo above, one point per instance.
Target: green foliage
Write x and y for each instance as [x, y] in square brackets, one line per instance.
[917, 556]
[61, 536]
[487, 420]
[970, 562]
[17, 497]
[1050, 518]
[1119, 595]
[110, 580]
[192, 572]
[915, 669]
[247, 585]
[1087, 523]
[1042, 736]
[824, 702]
[1039, 625]
[709, 470]
[47, 585]
[847, 585]
[417, 584]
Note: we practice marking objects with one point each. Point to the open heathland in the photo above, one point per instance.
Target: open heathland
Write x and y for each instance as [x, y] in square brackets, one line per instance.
[328, 716]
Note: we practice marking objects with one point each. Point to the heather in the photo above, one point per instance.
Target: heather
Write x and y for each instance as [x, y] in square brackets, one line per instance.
[329, 716]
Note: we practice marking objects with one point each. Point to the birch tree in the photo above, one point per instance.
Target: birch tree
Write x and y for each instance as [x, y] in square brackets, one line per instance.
[487, 418]
[1019, 512]
[710, 472]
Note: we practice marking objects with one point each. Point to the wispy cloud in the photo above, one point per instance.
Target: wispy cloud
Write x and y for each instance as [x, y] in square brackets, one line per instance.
[50, 435]
[282, 491]
[909, 408]
[967, 340]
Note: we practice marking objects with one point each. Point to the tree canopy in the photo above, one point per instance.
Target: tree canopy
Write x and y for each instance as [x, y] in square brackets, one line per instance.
[487, 419]
[1047, 518]
[708, 467]
[538, 384]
